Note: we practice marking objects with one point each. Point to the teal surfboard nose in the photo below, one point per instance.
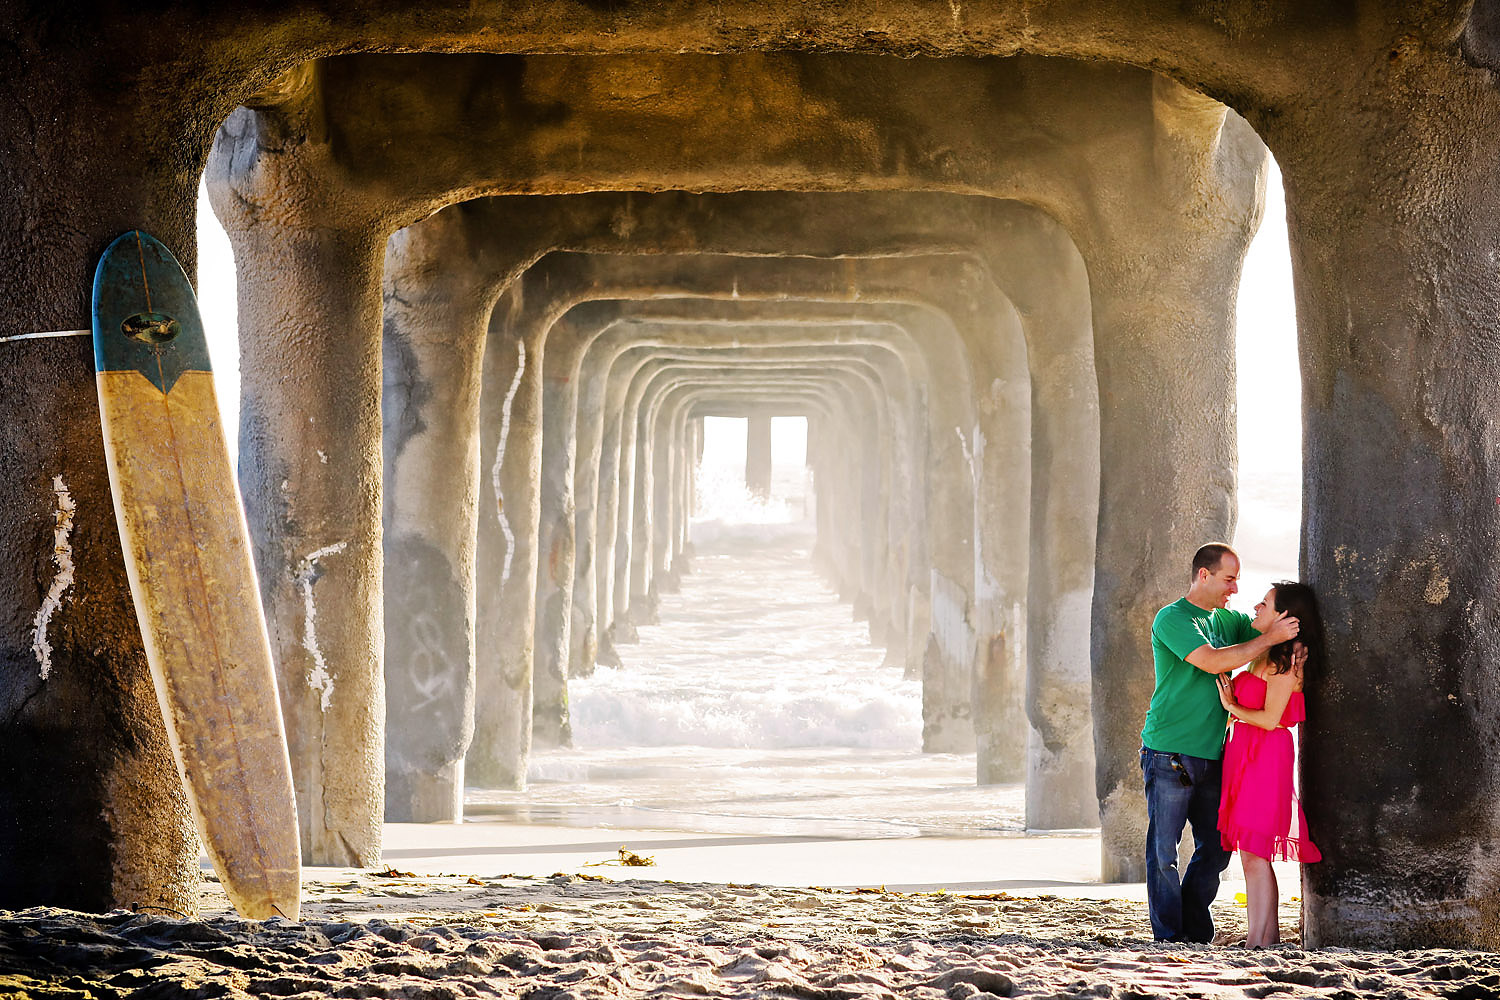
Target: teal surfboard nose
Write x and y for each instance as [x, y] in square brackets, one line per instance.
[145, 313]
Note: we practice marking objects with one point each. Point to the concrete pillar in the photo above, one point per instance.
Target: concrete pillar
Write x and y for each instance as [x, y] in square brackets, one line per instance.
[644, 598]
[593, 526]
[617, 463]
[1163, 426]
[997, 451]
[310, 426]
[1039, 267]
[435, 321]
[758, 455]
[664, 551]
[94, 815]
[1393, 230]
[555, 579]
[510, 446]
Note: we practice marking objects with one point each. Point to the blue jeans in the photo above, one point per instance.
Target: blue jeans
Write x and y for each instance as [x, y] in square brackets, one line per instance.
[1179, 910]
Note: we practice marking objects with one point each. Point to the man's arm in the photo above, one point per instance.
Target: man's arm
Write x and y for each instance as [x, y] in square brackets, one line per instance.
[1226, 658]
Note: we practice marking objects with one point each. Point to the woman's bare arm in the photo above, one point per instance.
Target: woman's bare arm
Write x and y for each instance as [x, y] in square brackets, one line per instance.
[1279, 688]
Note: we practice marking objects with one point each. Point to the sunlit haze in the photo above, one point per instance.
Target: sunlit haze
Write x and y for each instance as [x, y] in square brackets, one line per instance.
[1270, 422]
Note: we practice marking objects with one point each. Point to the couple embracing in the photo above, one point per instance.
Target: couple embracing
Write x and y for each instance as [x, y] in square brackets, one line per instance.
[1237, 796]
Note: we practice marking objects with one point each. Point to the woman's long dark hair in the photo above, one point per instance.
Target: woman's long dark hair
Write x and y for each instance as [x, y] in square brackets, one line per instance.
[1298, 600]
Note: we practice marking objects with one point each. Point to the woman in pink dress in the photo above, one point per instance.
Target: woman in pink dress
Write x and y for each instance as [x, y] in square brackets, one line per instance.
[1258, 805]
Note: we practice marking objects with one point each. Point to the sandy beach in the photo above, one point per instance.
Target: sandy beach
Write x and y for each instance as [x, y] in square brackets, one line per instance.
[463, 912]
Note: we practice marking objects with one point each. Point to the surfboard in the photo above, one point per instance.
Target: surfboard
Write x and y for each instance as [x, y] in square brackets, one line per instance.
[192, 577]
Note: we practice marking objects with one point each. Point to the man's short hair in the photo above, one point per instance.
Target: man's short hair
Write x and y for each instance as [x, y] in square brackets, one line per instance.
[1210, 556]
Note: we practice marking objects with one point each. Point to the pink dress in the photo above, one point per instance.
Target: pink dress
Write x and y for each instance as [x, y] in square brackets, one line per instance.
[1258, 804]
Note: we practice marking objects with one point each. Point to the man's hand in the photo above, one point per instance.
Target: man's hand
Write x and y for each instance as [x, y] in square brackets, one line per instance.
[1283, 629]
[1299, 657]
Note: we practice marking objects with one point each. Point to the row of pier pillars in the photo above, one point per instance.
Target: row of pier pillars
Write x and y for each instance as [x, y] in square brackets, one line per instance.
[538, 484]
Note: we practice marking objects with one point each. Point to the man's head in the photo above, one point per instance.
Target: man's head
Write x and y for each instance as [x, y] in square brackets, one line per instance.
[1216, 576]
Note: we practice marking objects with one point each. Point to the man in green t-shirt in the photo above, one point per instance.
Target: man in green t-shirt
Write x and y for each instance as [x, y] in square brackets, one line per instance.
[1193, 640]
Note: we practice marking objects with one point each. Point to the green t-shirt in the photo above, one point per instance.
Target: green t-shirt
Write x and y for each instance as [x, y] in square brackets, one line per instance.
[1185, 714]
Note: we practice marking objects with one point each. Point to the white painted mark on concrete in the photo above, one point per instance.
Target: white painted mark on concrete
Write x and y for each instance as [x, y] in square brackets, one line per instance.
[62, 555]
[986, 587]
[47, 335]
[510, 397]
[963, 444]
[319, 679]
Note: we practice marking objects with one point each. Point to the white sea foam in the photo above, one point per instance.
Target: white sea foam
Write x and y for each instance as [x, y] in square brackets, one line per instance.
[755, 652]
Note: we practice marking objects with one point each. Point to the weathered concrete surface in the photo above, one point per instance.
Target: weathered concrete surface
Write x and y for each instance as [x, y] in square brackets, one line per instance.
[1043, 275]
[1391, 204]
[1162, 423]
[93, 812]
[551, 724]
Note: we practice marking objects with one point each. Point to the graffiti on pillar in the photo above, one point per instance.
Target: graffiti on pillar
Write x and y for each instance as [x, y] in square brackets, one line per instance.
[429, 656]
[510, 397]
[62, 556]
[319, 679]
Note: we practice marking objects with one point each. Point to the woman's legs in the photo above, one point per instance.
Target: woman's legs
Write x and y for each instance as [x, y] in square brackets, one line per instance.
[1262, 927]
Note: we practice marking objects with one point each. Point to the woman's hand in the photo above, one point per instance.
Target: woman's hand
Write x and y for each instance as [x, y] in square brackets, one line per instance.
[1226, 694]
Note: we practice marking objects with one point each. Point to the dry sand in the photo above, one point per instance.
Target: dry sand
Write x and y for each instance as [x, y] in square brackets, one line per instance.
[404, 933]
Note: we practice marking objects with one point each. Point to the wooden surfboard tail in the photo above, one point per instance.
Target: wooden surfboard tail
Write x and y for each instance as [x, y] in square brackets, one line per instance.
[192, 577]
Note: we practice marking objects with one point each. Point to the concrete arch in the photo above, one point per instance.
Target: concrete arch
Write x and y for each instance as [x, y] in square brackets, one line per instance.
[603, 353]
[744, 291]
[522, 483]
[1055, 693]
